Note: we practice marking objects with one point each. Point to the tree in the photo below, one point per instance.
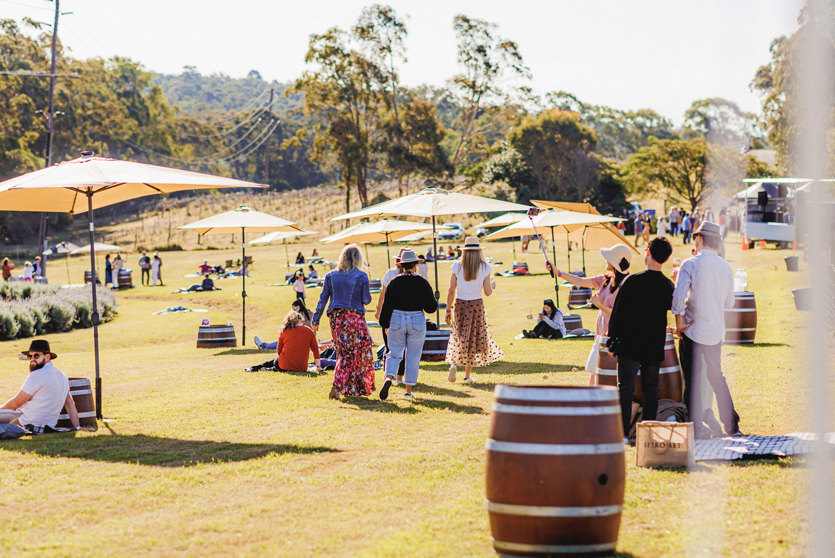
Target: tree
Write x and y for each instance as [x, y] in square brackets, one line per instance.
[489, 62]
[507, 167]
[558, 151]
[721, 121]
[344, 86]
[688, 171]
[609, 193]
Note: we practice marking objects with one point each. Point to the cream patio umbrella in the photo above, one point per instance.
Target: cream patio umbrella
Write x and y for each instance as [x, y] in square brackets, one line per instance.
[283, 236]
[504, 220]
[64, 247]
[386, 230]
[100, 246]
[241, 220]
[590, 237]
[564, 221]
[88, 183]
[434, 202]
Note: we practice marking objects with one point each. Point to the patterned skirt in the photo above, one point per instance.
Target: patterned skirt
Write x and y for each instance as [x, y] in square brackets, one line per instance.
[354, 373]
[470, 342]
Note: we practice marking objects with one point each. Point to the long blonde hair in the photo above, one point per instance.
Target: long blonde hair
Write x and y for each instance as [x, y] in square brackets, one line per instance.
[471, 262]
[291, 321]
[350, 258]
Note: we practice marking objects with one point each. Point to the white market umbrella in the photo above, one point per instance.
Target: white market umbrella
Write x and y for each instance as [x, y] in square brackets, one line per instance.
[386, 230]
[504, 220]
[64, 247]
[284, 236]
[563, 221]
[433, 202]
[98, 246]
[88, 183]
[240, 220]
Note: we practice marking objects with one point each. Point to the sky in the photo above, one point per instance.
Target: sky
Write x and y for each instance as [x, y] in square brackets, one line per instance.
[626, 54]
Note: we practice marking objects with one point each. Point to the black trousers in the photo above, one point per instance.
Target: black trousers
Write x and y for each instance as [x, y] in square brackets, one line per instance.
[401, 370]
[269, 364]
[693, 357]
[627, 375]
[546, 331]
[146, 274]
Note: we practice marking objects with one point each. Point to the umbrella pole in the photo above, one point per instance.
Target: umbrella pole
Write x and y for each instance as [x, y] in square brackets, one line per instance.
[67, 259]
[568, 249]
[388, 256]
[513, 248]
[94, 317]
[367, 259]
[556, 277]
[244, 271]
[435, 258]
[583, 242]
[286, 253]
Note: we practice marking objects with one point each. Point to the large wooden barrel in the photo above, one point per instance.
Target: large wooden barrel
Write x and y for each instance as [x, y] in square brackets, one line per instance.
[214, 336]
[88, 277]
[375, 284]
[42, 280]
[124, 279]
[670, 380]
[85, 404]
[578, 296]
[435, 345]
[555, 471]
[573, 321]
[741, 320]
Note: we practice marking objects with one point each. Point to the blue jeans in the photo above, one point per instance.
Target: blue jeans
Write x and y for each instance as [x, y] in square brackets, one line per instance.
[273, 345]
[407, 332]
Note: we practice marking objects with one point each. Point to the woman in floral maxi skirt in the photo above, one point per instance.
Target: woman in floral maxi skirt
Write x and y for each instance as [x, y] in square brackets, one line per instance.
[347, 288]
[470, 343]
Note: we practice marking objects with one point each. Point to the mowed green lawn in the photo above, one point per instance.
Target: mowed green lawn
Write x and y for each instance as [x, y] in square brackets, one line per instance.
[199, 458]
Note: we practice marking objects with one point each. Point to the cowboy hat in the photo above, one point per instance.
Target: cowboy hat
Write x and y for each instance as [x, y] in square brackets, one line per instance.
[39, 346]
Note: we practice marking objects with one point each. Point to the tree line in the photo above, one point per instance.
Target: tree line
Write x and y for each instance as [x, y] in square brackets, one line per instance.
[349, 120]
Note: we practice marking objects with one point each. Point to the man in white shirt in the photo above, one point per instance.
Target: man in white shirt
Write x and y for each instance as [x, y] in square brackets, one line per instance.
[44, 393]
[704, 289]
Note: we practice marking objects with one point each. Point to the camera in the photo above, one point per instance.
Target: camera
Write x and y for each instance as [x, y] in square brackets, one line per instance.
[533, 211]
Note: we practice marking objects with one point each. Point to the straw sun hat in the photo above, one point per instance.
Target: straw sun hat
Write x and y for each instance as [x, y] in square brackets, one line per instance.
[471, 243]
[618, 255]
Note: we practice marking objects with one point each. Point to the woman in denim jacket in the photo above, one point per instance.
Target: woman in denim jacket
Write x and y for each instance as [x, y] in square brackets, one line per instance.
[348, 290]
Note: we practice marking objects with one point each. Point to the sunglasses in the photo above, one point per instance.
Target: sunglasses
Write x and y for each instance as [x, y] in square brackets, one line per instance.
[36, 356]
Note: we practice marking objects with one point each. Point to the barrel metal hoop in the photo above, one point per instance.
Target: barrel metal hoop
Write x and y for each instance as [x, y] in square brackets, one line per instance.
[568, 549]
[553, 511]
[740, 310]
[607, 372]
[82, 392]
[79, 383]
[669, 369]
[557, 411]
[88, 414]
[223, 329]
[588, 395]
[216, 339]
[740, 329]
[554, 449]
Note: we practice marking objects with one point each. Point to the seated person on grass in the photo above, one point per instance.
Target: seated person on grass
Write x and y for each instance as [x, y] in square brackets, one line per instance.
[44, 394]
[312, 276]
[550, 323]
[206, 285]
[205, 267]
[295, 342]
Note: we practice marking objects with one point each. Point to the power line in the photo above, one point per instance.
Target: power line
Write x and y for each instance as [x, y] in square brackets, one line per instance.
[27, 5]
[253, 116]
[81, 23]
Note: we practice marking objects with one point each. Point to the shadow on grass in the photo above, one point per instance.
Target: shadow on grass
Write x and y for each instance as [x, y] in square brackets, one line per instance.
[243, 351]
[770, 345]
[448, 406]
[151, 450]
[504, 367]
[374, 404]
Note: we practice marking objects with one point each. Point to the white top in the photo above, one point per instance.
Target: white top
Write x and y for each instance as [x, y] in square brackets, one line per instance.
[155, 264]
[423, 270]
[298, 286]
[469, 290]
[704, 289]
[662, 227]
[389, 276]
[49, 388]
[28, 272]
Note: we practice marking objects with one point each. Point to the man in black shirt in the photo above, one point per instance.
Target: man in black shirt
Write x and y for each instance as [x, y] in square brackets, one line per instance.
[638, 327]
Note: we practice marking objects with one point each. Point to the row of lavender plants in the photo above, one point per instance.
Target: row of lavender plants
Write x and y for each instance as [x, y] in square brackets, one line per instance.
[28, 309]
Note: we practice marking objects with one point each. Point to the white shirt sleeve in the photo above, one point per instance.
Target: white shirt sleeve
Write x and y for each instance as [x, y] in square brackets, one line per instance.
[33, 383]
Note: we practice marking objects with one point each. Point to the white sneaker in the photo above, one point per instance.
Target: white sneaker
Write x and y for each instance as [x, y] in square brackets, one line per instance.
[452, 370]
[409, 396]
[259, 343]
[469, 379]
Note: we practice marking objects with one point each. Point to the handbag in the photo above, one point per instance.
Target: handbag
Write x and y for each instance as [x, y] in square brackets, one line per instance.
[665, 444]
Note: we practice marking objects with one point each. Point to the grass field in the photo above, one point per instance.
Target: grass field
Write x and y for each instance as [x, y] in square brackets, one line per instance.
[199, 458]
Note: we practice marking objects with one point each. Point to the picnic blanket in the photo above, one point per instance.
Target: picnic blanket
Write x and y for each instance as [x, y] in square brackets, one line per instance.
[573, 334]
[190, 290]
[175, 309]
[742, 447]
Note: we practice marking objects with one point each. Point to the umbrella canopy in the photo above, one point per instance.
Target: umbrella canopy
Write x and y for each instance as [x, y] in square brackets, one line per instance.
[386, 231]
[502, 220]
[64, 247]
[432, 202]
[285, 235]
[98, 246]
[414, 237]
[243, 217]
[88, 183]
[241, 220]
[342, 233]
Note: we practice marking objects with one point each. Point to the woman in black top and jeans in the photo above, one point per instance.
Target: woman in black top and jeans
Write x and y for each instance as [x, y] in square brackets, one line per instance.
[408, 296]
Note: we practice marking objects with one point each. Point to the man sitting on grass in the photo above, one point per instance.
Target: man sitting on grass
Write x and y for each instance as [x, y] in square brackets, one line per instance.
[295, 342]
[44, 393]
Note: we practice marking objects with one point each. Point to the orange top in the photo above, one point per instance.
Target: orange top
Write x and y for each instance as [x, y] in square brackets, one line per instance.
[294, 346]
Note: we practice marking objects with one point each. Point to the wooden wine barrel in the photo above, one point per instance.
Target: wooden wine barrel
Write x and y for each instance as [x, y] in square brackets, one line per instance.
[555, 471]
[670, 380]
[435, 345]
[85, 404]
[741, 320]
[88, 277]
[124, 279]
[578, 296]
[214, 336]
[375, 285]
[42, 280]
[573, 321]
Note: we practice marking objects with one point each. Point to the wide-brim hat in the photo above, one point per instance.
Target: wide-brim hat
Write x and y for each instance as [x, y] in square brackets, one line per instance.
[471, 243]
[618, 255]
[39, 346]
[408, 257]
[708, 228]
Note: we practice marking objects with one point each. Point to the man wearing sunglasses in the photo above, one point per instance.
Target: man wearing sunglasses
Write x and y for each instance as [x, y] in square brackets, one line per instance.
[44, 393]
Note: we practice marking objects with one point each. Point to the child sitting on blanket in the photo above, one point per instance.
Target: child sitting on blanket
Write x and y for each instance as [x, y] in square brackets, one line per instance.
[550, 323]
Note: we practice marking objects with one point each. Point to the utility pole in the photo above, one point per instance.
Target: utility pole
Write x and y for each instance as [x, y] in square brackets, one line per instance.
[267, 145]
[50, 121]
